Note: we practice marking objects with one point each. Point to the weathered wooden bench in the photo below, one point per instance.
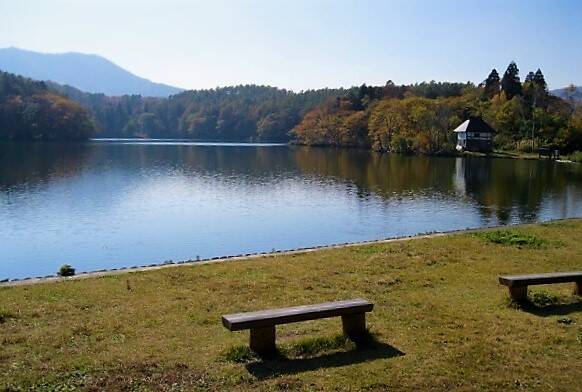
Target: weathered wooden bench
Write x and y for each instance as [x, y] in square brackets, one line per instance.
[517, 284]
[262, 323]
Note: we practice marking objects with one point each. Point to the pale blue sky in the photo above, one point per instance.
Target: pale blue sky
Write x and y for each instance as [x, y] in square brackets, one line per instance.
[302, 44]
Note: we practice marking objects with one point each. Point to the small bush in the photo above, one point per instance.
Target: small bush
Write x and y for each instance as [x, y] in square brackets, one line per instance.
[543, 299]
[511, 237]
[66, 270]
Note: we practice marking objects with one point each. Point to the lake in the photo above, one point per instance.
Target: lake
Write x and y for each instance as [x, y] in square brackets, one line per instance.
[110, 204]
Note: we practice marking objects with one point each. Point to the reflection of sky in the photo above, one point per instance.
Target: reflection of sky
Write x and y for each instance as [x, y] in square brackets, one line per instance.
[107, 217]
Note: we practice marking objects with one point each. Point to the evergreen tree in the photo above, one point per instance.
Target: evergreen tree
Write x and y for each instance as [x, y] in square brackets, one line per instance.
[363, 91]
[510, 82]
[539, 80]
[529, 78]
[491, 84]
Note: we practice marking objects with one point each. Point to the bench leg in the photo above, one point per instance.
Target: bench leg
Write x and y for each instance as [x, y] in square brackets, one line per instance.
[263, 340]
[354, 325]
[578, 288]
[518, 294]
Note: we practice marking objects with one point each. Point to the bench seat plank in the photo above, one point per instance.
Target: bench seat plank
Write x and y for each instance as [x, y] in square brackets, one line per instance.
[536, 279]
[271, 317]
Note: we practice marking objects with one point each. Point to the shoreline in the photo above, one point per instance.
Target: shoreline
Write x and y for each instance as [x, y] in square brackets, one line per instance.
[258, 255]
[496, 154]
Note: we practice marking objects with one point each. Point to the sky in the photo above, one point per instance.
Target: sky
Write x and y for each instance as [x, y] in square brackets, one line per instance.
[305, 44]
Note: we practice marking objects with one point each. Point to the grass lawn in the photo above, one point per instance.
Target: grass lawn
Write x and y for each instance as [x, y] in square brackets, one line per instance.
[441, 321]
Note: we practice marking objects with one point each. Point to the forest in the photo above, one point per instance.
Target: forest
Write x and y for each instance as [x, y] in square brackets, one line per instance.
[29, 111]
[419, 118]
[416, 118]
[236, 113]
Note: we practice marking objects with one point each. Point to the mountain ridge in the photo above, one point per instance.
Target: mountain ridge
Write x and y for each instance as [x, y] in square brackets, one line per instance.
[88, 72]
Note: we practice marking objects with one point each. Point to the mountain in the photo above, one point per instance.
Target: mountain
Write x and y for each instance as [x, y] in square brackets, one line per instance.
[86, 72]
[569, 93]
[29, 111]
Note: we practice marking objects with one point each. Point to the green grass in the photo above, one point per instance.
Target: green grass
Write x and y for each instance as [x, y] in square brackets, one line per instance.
[512, 237]
[542, 299]
[239, 354]
[441, 321]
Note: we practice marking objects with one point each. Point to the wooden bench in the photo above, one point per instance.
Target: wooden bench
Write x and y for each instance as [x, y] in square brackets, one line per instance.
[552, 153]
[518, 283]
[262, 324]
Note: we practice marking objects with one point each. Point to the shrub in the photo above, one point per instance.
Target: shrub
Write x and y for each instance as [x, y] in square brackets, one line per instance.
[66, 270]
[543, 299]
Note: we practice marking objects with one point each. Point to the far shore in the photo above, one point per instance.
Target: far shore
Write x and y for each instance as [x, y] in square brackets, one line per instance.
[509, 154]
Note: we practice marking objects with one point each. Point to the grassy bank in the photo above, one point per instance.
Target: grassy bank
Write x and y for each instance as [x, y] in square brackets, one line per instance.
[441, 321]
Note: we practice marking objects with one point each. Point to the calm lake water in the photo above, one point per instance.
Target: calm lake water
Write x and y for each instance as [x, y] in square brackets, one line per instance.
[109, 204]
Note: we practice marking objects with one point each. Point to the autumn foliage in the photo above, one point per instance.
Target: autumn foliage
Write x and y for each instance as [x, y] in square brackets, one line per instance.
[28, 111]
[419, 118]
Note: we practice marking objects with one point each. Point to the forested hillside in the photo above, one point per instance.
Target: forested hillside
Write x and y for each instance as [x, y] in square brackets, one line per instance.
[238, 113]
[28, 111]
[419, 118]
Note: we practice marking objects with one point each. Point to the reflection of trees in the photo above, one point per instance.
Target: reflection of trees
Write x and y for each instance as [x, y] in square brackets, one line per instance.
[30, 164]
[502, 187]
[247, 163]
[387, 174]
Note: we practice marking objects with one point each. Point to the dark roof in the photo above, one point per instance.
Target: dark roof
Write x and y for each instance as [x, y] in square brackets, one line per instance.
[474, 124]
[477, 124]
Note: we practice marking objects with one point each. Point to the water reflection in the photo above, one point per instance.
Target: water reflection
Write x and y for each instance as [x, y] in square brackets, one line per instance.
[34, 164]
[515, 190]
[102, 205]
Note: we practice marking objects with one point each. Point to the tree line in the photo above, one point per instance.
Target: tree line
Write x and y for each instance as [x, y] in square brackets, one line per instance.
[235, 113]
[415, 118]
[419, 118]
